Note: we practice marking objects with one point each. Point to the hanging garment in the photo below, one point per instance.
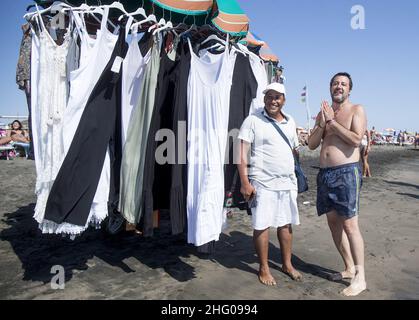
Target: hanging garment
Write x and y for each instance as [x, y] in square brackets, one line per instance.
[82, 82]
[87, 43]
[73, 56]
[23, 68]
[133, 160]
[36, 128]
[243, 91]
[259, 72]
[158, 165]
[209, 86]
[99, 129]
[179, 187]
[49, 107]
[132, 78]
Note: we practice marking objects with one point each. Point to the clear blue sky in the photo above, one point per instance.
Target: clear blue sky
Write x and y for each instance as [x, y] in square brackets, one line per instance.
[314, 40]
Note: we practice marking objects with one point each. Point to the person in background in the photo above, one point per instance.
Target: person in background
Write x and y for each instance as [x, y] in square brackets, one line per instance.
[416, 139]
[18, 136]
[365, 150]
[278, 77]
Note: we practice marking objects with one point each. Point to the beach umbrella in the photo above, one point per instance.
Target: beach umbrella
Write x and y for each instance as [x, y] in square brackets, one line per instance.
[389, 130]
[230, 18]
[186, 7]
[265, 52]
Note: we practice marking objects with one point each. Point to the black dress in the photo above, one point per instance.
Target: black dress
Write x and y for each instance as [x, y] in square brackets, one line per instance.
[243, 91]
[74, 188]
[158, 176]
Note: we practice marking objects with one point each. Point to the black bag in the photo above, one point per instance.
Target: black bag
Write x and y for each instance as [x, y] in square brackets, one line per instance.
[301, 178]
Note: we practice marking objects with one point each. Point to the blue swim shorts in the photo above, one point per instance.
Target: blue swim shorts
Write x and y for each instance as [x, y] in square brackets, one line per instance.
[338, 188]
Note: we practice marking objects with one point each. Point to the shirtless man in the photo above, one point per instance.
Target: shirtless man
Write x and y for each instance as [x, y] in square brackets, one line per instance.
[341, 127]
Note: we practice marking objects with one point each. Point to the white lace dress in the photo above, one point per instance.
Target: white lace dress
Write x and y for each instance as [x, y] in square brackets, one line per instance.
[52, 94]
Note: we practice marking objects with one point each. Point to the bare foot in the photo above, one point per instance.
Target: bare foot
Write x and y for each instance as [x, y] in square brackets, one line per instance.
[355, 288]
[347, 274]
[265, 277]
[292, 273]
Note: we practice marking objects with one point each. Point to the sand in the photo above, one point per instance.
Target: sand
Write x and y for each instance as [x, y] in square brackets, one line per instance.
[98, 266]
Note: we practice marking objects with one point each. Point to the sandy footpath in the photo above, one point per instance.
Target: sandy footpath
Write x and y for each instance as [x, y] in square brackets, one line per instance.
[98, 266]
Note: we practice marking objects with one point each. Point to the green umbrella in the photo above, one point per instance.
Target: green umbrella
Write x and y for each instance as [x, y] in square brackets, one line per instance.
[230, 18]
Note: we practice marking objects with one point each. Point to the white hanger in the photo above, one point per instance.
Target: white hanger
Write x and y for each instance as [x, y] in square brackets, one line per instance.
[151, 17]
[116, 5]
[168, 25]
[101, 12]
[56, 6]
[213, 37]
[83, 7]
[140, 11]
[162, 22]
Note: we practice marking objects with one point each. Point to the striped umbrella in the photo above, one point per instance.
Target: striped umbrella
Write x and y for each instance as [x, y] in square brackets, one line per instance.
[230, 18]
[186, 7]
[265, 52]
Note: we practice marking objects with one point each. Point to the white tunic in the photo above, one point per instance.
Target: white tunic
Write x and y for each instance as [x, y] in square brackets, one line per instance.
[209, 87]
[132, 78]
[50, 93]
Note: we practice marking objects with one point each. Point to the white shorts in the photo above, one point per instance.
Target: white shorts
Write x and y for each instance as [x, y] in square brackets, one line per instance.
[274, 208]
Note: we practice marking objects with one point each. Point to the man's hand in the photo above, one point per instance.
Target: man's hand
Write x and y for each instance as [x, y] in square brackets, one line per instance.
[248, 191]
[327, 111]
[320, 118]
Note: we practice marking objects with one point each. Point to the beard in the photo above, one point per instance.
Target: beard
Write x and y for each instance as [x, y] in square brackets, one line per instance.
[339, 97]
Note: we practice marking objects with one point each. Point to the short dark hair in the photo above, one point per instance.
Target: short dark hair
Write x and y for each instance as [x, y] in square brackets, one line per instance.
[343, 74]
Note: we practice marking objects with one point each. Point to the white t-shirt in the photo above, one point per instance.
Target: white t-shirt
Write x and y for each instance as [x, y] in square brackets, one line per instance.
[271, 161]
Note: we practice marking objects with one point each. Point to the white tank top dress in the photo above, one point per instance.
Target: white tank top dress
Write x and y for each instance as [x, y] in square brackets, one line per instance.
[209, 87]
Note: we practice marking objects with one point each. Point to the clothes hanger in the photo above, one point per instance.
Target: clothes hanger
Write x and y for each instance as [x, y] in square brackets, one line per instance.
[100, 11]
[193, 27]
[56, 6]
[213, 37]
[116, 5]
[151, 18]
[162, 22]
[140, 11]
[166, 26]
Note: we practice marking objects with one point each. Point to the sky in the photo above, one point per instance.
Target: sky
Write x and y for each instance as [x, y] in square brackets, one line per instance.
[314, 40]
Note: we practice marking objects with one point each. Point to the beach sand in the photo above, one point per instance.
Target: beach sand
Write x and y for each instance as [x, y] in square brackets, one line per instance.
[98, 266]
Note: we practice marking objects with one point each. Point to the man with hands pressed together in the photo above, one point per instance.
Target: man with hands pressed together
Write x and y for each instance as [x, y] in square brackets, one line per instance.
[340, 128]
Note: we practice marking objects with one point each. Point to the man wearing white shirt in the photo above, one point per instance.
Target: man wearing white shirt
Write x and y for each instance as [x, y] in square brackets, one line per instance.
[269, 184]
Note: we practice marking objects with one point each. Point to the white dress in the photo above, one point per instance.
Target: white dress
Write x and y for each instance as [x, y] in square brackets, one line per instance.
[48, 108]
[209, 86]
[82, 82]
[132, 77]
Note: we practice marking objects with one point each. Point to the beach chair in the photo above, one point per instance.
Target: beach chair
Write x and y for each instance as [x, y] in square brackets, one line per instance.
[7, 151]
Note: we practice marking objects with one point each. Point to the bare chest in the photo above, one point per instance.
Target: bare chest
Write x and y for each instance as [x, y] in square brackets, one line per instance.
[344, 118]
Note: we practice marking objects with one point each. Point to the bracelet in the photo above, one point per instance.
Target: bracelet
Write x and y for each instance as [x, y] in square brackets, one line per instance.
[328, 121]
[321, 126]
